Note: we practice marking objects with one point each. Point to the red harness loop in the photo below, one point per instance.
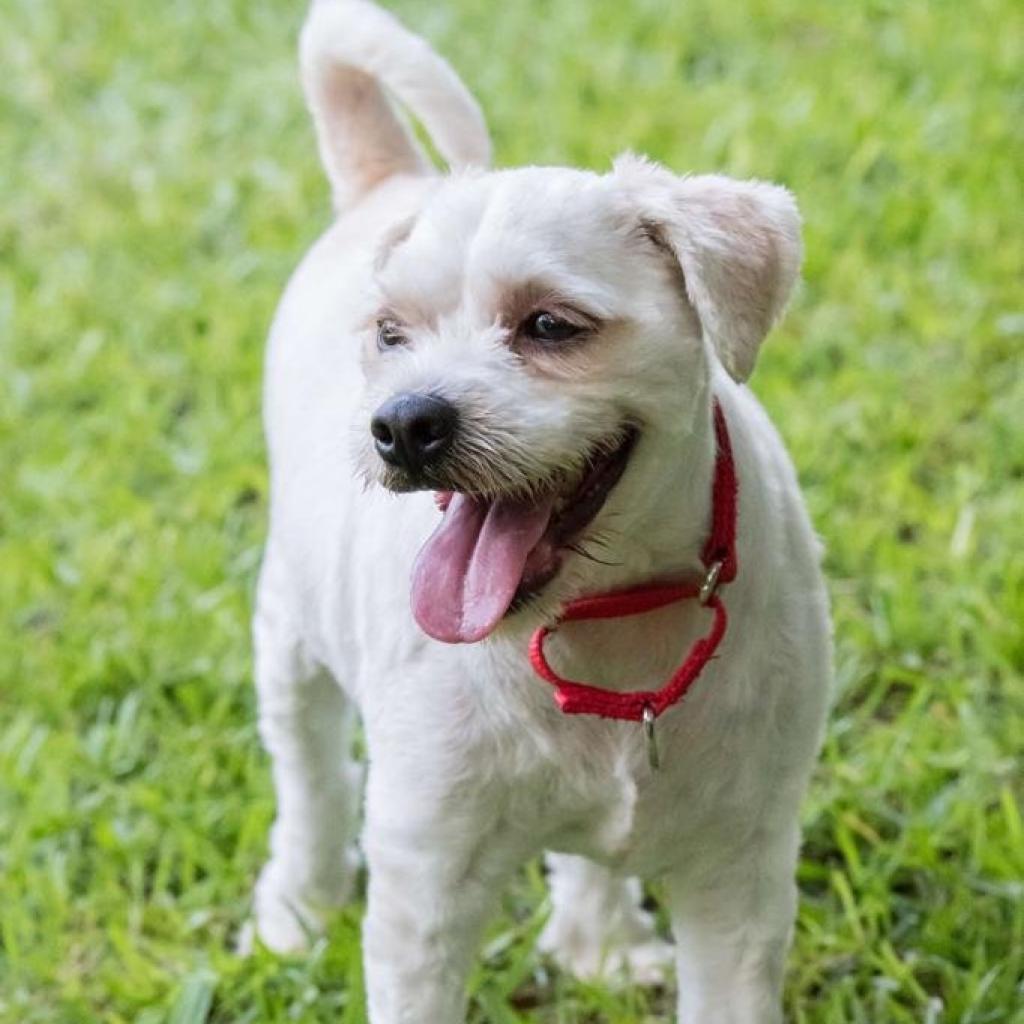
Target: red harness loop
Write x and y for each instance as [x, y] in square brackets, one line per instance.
[719, 559]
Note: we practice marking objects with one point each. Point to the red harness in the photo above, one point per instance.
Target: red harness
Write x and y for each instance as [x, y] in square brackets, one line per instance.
[719, 558]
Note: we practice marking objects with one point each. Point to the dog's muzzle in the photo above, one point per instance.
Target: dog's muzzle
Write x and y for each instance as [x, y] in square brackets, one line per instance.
[413, 432]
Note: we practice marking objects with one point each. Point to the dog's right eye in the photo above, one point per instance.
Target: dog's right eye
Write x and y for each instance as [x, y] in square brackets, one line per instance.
[389, 333]
[544, 326]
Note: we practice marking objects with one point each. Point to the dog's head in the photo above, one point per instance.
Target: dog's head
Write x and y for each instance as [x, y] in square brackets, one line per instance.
[540, 338]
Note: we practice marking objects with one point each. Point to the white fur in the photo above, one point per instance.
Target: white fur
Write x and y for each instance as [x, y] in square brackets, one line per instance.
[347, 47]
[472, 769]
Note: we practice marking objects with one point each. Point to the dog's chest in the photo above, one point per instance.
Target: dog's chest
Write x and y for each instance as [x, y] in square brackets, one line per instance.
[591, 790]
[605, 825]
[586, 784]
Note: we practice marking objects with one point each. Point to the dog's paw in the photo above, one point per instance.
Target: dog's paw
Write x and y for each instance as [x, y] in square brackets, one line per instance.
[287, 919]
[642, 963]
[635, 955]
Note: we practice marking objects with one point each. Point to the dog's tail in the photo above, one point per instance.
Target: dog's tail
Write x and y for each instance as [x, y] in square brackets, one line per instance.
[350, 51]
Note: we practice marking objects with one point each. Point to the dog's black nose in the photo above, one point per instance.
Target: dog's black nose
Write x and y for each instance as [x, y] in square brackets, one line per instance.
[413, 431]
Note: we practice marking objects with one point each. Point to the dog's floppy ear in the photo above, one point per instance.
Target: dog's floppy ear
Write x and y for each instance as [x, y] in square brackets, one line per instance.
[737, 244]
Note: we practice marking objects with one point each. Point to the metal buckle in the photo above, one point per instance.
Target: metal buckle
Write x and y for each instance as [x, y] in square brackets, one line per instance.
[653, 757]
[710, 584]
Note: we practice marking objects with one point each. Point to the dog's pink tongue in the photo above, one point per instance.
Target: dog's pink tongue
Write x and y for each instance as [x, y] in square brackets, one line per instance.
[468, 571]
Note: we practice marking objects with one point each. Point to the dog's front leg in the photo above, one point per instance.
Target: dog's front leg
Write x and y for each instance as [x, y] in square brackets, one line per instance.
[435, 870]
[732, 928]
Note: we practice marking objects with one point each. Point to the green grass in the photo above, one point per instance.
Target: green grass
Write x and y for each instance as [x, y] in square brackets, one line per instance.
[158, 182]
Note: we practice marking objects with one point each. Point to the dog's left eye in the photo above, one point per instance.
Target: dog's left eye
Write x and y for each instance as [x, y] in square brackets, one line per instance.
[544, 326]
[389, 333]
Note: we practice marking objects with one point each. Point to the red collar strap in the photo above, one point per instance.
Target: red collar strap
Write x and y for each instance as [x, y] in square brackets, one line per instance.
[719, 559]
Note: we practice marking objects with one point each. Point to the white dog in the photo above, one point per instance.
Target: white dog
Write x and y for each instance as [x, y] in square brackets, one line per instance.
[545, 364]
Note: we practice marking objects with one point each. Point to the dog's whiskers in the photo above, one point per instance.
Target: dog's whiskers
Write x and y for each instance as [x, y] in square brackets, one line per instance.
[578, 549]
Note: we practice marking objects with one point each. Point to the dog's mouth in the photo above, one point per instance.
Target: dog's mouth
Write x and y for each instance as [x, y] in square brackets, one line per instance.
[490, 555]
